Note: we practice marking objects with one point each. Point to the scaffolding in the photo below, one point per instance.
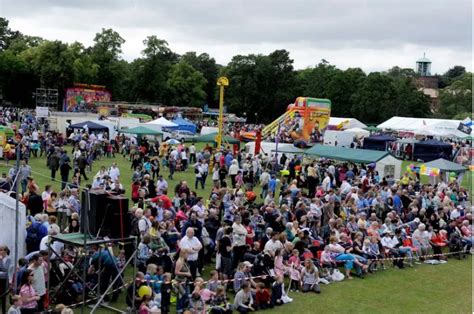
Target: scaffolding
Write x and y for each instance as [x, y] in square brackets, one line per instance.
[79, 269]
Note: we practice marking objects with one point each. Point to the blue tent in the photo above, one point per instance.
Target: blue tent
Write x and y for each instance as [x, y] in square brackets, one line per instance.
[183, 125]
[431, 150]
[378, 142]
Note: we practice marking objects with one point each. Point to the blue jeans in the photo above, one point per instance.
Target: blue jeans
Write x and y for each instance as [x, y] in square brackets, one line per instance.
[23, 183]
[348, 260]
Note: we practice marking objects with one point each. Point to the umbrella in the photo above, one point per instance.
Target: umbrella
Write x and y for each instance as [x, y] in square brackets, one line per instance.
[172, 141]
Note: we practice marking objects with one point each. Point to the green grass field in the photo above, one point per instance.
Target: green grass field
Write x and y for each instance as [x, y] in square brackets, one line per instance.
[423, 289]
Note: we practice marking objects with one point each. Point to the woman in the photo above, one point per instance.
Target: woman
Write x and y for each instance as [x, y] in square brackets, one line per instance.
[357, 244]
[182, 273]
[352, 226]
[28, 294]
[421, 240]
[339, 254]
[73, 226]
[6, 274]
[310, 277]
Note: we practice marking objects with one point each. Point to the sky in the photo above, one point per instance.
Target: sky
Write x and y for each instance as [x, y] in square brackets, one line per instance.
[371, 34]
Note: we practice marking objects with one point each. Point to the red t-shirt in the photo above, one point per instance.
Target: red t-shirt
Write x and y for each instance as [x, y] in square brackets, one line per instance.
[167, 204]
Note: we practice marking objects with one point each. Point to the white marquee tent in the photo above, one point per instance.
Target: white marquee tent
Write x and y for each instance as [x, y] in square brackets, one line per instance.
[7, 224]
[448, 128]
[424, 126]
[348, 123]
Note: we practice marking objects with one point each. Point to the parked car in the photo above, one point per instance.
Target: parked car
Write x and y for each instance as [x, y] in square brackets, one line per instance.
[179, 135]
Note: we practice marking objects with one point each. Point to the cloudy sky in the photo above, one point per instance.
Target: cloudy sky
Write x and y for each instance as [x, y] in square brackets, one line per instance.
[371, 34]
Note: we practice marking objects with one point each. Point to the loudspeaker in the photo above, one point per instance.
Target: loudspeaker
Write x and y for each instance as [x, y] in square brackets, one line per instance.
[107, 215]
[92, 210]
[118, 216]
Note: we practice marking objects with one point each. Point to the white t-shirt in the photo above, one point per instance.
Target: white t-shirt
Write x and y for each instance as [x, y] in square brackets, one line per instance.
[192, 149]
[239, 234]
[193, 245]
[114, 173]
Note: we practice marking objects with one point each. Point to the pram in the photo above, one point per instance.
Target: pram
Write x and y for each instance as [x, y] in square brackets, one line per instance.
[456, 245]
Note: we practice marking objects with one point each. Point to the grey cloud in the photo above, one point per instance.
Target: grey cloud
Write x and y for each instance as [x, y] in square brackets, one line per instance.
[379, 25]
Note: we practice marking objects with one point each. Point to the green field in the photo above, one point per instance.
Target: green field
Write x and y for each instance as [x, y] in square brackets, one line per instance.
[423, 289]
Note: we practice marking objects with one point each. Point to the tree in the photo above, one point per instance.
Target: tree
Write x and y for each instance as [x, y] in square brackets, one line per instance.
[53, 63]
[375, 99]
[208, 67]
[150, 73]
[398, 73]
[451, 75]
[340, 89]
[457, 97]
[6, 34]
[187, 85]
[106, 54]
[409, 102]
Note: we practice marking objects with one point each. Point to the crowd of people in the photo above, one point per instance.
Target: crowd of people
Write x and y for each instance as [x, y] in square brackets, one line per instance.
[261, 235]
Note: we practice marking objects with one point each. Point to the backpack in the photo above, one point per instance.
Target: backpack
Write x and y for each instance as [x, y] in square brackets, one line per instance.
[32, 233]
[135, 229]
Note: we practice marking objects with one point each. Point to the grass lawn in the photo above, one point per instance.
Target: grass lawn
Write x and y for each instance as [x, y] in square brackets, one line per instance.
[424, 289]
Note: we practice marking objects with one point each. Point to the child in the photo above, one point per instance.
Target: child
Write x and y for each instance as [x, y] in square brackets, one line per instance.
[327, 260]
[197, 304]
[278, 292]
[263, 299]
[219, 302]
[15, 302]
[144, 309]
[374, 252]
[295, 267]
[166, 293]
[121, 259]
[280, 268]
[154, 279]
[205, 293]
[213, 283]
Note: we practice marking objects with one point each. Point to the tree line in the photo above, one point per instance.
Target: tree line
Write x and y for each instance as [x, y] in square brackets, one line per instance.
[261, 86]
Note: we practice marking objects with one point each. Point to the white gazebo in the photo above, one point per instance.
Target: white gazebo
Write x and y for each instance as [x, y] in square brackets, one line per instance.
[160, 123]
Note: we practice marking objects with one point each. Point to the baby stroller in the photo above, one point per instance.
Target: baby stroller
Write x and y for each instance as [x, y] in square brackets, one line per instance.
[456, 245]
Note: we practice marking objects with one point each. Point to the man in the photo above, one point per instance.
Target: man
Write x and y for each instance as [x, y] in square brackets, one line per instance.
[53, 164]
[81, 164]
[198, 171]
[106, 264]
[273, 244]
[74, 204]
[390, 243]
[192, 154]
[264, 180]
[114, 172]
[25, 172]
[192, 245]
[64, 171]
[39, 282]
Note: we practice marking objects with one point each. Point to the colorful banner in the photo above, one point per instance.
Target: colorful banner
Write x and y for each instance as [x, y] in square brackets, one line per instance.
[82, 100]
[429, 171]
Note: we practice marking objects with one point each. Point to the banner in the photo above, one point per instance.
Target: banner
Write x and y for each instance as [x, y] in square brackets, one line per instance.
[429, 171]
[42, 112]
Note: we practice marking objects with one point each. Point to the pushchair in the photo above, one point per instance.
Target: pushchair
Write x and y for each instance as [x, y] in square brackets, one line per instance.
[456, 245]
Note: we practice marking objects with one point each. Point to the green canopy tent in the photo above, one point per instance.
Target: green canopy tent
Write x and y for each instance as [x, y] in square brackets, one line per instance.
[141, 130]
[211, 138]
[385, 163]
[446, 165]
[363, 156]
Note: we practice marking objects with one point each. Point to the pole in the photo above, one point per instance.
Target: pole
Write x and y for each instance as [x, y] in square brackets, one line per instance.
[221, 82]
[221, 116]
[17, 209]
